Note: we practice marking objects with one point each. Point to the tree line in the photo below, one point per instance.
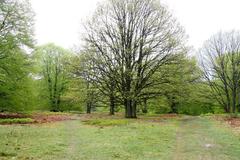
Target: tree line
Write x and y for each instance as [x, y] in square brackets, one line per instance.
[133, 58]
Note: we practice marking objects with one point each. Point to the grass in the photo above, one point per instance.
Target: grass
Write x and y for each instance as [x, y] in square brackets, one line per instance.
[185, 138]
[203, 138]
[16, 120]
[107, 122]
[234, 115]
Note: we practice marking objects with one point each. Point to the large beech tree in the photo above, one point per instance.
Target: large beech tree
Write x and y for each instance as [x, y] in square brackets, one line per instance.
[132, 38]
[16, 34]
[53, 70]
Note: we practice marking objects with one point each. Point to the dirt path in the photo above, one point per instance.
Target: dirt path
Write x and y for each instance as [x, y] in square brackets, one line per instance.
[202, 139]
[72, 141]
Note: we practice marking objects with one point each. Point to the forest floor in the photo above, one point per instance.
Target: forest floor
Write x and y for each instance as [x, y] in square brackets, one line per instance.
[102, 137]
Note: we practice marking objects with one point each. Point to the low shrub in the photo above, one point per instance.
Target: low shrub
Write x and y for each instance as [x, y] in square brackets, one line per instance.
[16, 121]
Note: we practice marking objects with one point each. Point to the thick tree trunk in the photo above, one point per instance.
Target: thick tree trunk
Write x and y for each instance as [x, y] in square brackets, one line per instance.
[130, 108]
[112, 105]
[134, 109]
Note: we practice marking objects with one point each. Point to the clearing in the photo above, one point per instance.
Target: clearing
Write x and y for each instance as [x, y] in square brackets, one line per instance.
[106, 138]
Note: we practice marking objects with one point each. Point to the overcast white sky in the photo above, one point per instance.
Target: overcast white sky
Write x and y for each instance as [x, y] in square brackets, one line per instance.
[59, 21]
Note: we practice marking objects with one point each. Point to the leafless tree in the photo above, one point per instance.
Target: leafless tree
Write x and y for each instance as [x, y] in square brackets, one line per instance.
[220, 60]
[130, 39]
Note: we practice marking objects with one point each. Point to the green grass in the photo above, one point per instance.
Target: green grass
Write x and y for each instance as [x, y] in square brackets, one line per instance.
[107, 122]
[186, 138]
[203, 138]
[16, 120]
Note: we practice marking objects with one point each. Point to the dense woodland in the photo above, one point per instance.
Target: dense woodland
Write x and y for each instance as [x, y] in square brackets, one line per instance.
[133, 58]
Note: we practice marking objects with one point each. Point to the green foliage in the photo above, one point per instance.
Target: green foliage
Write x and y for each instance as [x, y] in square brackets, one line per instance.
[159, 105]
[15, 92]
[86, 94]
[194, 109]
[52, 71]
[181, 89]
[16, 26]
[53, 78]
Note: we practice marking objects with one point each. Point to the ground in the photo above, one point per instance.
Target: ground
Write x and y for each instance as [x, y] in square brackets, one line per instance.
[100, 137]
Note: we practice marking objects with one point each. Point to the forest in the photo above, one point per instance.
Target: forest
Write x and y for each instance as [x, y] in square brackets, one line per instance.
[133, 64]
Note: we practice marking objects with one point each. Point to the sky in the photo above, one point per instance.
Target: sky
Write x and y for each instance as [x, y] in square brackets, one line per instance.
[60, 21]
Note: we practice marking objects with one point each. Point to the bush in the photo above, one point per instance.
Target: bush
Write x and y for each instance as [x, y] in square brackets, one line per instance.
[195, 109]
[158, 106]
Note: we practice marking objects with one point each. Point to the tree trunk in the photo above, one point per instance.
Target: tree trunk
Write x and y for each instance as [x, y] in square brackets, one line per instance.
[134, 109]
[58, 103]
[174, 108]
[128, 107]
[238, 100]
[112, 105]
[53, 105]
[89, 107]
[228, 107]
[234, 95]
[144, 110]
[131, 108]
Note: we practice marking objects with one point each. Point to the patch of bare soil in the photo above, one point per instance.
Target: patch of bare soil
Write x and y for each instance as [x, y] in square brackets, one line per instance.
[44, 118]
[38, 117]
[233, 122]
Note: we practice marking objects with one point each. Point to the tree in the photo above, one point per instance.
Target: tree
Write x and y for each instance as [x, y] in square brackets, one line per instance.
[98, 76]
[53, 61]
[16, 33]
[81, 70]
[181, 76]
[173, 82]
[15, 94]
[221, 67]
[132, 38]
[16, 26]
